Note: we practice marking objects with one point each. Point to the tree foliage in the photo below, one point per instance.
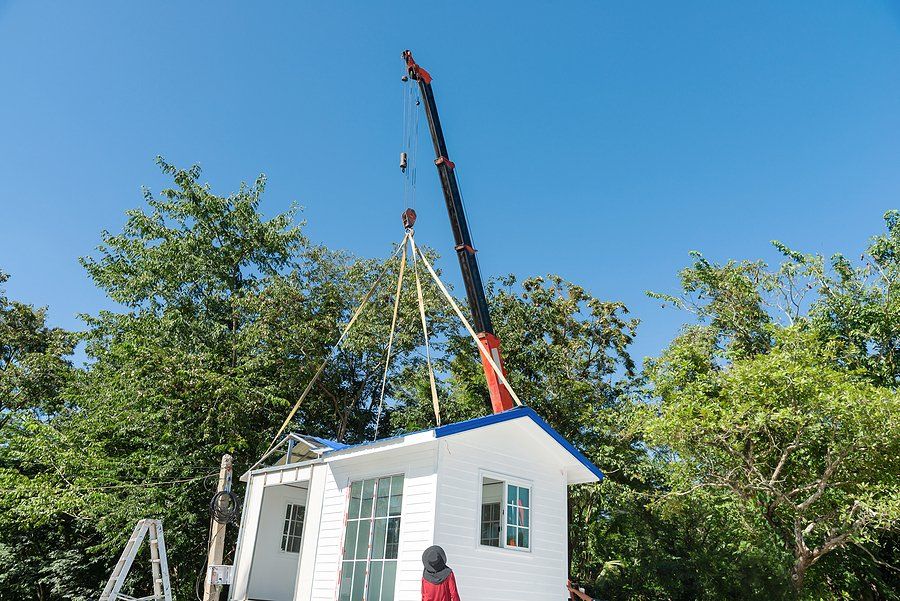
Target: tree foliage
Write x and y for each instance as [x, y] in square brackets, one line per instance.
[782, 395]
[226, 316]
[761, 444]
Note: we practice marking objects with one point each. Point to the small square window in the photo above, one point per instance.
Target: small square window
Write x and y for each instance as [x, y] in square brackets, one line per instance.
[505, 514]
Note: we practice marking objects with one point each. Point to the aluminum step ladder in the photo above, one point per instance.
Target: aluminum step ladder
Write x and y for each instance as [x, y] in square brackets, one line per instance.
[162, 590]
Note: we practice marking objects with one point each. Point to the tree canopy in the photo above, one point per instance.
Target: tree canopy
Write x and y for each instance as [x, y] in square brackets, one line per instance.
[756, 457]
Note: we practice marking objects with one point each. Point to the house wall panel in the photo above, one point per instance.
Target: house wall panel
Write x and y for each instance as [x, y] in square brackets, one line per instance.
[486, 572]
[417, 463]
[273, 571]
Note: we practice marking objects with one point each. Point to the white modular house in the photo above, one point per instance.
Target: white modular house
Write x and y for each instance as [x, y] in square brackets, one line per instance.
[331, 522]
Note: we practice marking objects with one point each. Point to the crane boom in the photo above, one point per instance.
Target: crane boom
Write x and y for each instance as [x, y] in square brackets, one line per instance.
[465, 250]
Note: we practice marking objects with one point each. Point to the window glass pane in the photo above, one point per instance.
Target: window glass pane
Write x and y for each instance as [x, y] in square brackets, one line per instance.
[491, 504]
[379, 538]
[511, 496]
[362, 539]
[523, 516]
[524, 494]
[355, 497]
[393, 538]
[523, 538]
[374, 581]
[511, 536]
[384, 493]
[388, 581]
[510, 515]
[371, 540]
[359, 581]
[350, 540]
[381, 507]
[293, 528]
[346, 581]
[490, 524]
[368, 495]
[396, 503]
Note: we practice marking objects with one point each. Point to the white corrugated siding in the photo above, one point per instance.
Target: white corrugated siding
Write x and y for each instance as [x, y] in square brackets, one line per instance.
[417, 515]
[487, 573]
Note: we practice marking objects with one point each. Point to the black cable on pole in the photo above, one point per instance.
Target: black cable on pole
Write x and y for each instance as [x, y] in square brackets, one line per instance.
[225, 507]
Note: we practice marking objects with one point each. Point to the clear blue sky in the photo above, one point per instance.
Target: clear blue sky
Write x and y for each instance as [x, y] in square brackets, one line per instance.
[598, 140]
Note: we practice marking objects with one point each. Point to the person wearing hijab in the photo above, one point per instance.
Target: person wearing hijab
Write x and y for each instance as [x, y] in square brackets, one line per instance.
[438, 581]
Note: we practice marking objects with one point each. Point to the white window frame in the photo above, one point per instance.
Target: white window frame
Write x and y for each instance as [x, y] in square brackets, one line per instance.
[369, 559]
[302, 505]
[498, 523]
[505, 480]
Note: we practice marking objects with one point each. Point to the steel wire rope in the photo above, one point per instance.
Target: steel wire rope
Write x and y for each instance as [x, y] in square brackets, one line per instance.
[415, 145]
[404, 143]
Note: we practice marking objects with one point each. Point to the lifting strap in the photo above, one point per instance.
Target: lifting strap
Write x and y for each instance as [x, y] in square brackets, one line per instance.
[387, 360]
[459, 313]
[434, 396]
[337, 345]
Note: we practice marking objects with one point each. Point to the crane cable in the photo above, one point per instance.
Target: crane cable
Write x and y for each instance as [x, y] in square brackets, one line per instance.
[337, 345]
[484, 351]
[387, 360]
[416, 252]
[435, 402]
[434, 396]
[404, 142]
[409, 147]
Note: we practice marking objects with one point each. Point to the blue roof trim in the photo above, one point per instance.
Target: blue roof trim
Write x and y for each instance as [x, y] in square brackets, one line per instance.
[474, 424]
[332, 444]
[369, 443]
[516, 413]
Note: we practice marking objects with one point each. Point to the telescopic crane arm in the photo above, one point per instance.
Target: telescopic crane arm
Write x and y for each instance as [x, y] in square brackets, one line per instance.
[465, 251]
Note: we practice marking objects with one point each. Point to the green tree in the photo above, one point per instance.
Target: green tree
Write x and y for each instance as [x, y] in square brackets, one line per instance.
[34, 360]
[226, 316]
[35, 367]
[769, 399]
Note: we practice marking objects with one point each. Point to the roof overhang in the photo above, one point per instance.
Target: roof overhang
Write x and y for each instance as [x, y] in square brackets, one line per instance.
[298, 448]
[580, 469]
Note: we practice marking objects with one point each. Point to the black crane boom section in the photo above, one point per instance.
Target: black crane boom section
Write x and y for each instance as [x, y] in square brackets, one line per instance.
[465, 250]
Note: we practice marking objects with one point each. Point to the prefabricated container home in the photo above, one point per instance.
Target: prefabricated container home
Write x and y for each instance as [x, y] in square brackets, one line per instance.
[330, 522]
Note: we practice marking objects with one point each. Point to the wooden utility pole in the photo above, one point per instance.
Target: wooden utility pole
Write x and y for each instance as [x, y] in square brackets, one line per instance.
[217, 534]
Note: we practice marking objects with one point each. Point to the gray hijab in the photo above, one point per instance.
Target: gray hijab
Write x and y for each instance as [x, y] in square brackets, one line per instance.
[435, 560]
